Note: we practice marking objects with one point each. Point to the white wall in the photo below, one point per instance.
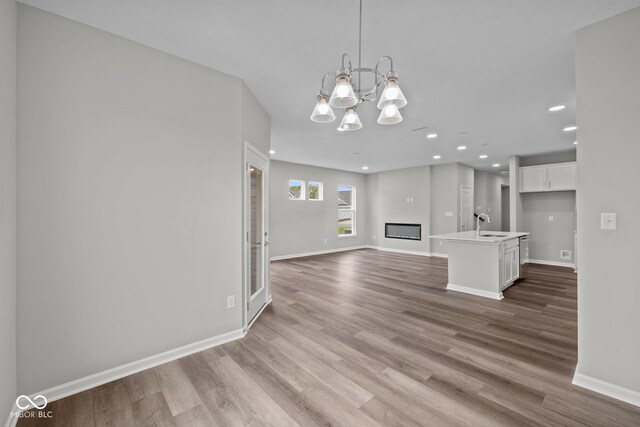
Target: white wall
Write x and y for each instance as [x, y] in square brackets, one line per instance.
[130, 200]
[402, 196]
[445, 198]
[301, 226]
[548, 238]
[8, 23]
[487, 193]
[608, 94]
[516, 216]
[255, 122]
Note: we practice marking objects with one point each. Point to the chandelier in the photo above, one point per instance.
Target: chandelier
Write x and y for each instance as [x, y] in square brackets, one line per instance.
[354, 86]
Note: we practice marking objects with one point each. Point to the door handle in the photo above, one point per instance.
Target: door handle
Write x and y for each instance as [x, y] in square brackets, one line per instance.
[266, 243]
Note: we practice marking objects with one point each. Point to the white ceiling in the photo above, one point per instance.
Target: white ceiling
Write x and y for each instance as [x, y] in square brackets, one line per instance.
[480, 73]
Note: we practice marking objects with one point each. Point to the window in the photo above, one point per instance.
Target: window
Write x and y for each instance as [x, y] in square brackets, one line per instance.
[296, 189]
[315, 190]
[346, 210]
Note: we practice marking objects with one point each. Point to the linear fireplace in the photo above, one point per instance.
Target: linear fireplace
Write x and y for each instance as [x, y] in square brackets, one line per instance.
[394, 230]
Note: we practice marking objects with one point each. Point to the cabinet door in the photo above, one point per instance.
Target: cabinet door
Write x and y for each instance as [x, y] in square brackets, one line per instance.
[562, 177]
[533, 178]
[515, 270]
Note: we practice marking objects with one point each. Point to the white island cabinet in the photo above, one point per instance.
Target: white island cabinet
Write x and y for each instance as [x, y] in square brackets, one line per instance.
[482, 265]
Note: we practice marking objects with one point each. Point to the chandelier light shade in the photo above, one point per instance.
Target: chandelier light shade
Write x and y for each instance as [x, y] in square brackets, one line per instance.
[392, 93]
[347, 94]
[390, 115]
[323, 112]
[343, 95]
[350, 121]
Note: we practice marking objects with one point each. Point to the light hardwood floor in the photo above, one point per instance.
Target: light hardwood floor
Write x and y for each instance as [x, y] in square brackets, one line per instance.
[367, 338]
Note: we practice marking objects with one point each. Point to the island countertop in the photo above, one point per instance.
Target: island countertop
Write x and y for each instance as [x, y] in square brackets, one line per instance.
[485, 236]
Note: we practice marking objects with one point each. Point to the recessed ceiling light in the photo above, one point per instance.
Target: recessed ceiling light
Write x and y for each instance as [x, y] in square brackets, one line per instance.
[272, 151]
[483, 156]
[364, 168]
[557, 108]
[496, 165]
[437, 156]
[432, 135]
[570, 128]
[462, 147]
[575, 142]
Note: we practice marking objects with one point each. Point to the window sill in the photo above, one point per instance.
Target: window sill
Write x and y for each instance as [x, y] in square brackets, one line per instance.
[344, 236]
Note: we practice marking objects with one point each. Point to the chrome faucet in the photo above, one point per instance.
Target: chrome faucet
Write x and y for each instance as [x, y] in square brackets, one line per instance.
[478, 222]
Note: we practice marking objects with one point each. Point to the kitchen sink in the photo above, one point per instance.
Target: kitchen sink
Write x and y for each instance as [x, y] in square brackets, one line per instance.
[493, 235]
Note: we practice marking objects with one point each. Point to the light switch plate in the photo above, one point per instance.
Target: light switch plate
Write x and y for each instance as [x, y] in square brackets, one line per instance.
[448, 214]
[550, 218]
[231, 301]
[608, 221]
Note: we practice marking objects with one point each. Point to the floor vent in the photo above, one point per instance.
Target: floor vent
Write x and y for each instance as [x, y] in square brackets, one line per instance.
[564, 254]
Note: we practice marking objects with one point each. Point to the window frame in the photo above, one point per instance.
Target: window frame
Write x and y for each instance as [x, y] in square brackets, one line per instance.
[352, 209]
[303, 189]
[320, 191]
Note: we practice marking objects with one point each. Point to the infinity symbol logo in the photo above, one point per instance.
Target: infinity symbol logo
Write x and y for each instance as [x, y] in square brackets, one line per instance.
[30, 402]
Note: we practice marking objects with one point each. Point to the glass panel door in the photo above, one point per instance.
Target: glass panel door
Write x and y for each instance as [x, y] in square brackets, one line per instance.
[256, 249]
[256, 230]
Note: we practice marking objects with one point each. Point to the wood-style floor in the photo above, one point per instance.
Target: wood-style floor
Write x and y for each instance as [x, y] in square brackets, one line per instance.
[369, 338]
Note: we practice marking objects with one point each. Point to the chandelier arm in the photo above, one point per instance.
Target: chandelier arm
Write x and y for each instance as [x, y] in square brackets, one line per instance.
[323, 79]
[344, 55]
[382, 59]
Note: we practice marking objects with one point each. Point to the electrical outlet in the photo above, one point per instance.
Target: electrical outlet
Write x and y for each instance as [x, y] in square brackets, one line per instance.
[565, 254]
[608, 221]
[231, 301]
[448, 214]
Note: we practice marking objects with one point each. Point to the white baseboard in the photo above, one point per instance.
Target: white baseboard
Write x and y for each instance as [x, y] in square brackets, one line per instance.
[400, 251]
[326, 251]
[608, 389]
[94, 380]
[439, 255]
[473, 291]
[555, 263]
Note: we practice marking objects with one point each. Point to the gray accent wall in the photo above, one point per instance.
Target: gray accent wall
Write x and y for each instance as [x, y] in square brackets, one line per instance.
[301, 226]
[8, 32]
[401, 196]
[487, 189]
[608, 90]
[130, 200]
[548, 238]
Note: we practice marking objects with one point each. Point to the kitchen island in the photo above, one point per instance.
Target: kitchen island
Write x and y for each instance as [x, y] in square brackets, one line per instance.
[482, 264]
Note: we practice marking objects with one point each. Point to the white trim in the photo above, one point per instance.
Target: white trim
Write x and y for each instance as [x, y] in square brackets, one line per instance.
[402, 251]
[12, 421]
[555, 263]
[608, 389]
[326, 251]
[94, 380]
[439, 255]
[473, 291]
[269, 299]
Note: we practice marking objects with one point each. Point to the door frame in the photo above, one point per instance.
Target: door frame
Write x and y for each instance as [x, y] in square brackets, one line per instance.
[248, 147]
[463, 187]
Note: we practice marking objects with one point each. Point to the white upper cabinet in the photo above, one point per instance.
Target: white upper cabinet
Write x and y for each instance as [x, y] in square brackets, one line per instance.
[561, 177]
[533, 178]
[554, 177]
